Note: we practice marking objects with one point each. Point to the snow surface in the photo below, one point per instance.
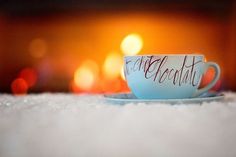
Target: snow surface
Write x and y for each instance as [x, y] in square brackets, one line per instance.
[65, 125]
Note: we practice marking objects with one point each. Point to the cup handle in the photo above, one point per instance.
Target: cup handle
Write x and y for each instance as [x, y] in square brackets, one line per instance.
[213, 82]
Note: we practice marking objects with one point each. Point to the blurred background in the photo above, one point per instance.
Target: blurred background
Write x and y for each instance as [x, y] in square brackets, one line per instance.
[77, 45]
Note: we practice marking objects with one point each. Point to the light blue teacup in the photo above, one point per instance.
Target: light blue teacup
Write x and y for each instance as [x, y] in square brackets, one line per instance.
[167, 76]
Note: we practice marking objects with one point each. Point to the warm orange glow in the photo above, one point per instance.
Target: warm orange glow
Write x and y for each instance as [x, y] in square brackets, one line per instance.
[85, 75]
[38, 48]
[29, 75]
[92, 65]
[112, 65]
[111, 86]
[19, 86]
[122, 74]
[208, 77]
[58, 45]
[131, 44]
[73, 87]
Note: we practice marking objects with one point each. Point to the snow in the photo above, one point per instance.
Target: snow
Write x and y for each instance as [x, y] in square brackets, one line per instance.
[66, 125]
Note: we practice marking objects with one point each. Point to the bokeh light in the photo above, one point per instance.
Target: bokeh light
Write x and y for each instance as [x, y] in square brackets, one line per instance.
[19, 86]
[38, 48]
[92, 65]
[122, 74]
[112, 65]
[84, 78]
[131, 44]
[86, 75]
[58, 46]
[29, 75]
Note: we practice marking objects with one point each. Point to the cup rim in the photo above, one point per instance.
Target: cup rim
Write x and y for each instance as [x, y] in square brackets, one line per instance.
[181, 54]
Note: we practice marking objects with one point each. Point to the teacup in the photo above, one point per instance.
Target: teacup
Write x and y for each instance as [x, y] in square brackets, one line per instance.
[167, 76]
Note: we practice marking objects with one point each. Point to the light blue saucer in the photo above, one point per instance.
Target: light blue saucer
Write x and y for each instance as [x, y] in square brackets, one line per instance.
[124, 98]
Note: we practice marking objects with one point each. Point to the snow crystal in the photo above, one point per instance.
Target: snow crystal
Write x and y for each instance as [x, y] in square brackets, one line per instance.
[66, 125]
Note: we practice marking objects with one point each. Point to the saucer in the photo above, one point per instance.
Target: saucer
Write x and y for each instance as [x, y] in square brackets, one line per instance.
[124, 98]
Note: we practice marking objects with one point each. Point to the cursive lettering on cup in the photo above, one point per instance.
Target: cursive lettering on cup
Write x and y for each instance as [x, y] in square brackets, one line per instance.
[156, 68]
